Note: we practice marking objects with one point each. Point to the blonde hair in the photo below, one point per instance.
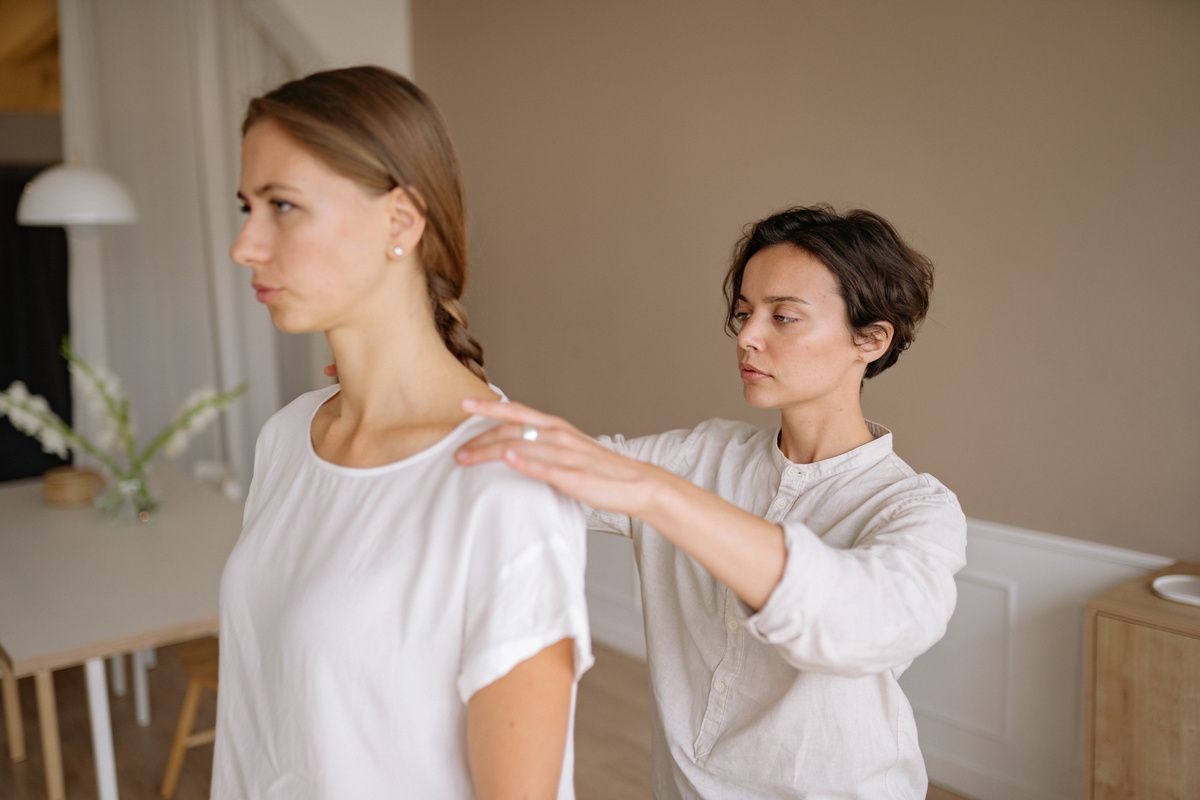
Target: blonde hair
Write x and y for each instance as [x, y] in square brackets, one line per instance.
[381, 131]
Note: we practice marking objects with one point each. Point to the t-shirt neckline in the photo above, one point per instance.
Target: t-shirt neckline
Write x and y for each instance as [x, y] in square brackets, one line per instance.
[324, 396]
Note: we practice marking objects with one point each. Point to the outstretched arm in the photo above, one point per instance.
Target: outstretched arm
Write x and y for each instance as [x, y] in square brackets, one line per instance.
[744, 552]
[517, 727]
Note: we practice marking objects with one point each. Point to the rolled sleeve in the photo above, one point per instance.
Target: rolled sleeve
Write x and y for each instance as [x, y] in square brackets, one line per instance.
[526, 583]
[874, 606]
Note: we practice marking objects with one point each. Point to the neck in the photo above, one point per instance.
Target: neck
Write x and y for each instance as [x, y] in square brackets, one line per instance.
[400, 372]
[809, 436]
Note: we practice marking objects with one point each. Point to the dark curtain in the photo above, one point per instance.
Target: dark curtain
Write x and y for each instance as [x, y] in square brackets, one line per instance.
[33, 321]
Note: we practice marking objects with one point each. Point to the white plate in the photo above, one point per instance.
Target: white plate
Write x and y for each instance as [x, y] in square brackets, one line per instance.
[1180, 588]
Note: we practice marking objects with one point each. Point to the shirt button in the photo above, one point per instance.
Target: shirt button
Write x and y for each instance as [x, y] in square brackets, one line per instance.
[719, 686]
[781, 503]
[733, 624]
[792, 472]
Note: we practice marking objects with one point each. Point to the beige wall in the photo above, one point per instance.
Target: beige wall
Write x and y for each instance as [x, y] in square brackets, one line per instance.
[1046, 155]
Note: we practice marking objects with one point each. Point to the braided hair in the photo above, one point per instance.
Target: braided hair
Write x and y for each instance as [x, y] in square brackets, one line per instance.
[381, 131]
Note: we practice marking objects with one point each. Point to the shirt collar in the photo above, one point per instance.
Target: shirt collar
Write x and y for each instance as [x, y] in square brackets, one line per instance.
[865, 455]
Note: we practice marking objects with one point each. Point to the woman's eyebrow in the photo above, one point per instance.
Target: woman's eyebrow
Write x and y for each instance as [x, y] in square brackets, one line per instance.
[270, 186]
[786, 299]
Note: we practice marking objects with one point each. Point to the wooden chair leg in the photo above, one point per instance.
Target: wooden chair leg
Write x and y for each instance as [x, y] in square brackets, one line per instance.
[179, 746]
[48, 721]
[12, 715]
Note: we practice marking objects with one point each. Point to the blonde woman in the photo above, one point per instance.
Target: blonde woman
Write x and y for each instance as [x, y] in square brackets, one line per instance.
[392, 623]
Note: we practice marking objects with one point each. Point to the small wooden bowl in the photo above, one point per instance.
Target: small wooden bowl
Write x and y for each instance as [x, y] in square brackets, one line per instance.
[70, 486]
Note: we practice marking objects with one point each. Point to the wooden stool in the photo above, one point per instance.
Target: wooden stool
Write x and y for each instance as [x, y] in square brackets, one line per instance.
[200, 658]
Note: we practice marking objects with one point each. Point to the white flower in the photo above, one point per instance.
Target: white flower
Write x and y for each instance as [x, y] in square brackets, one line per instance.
[53, 441]
[88, 392]
[22, 420]
[200, 409]
[176, 444]
[202, 418]
[21, 408]
[17, 392]
[38, 405]
[108, 434]
[99, 391]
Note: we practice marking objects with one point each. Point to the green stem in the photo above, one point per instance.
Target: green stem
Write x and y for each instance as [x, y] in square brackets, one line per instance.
[118, 409]
[218, 402]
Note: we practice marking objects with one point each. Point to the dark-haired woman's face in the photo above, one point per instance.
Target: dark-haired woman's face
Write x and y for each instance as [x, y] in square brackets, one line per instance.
[795, 346]
[314, 239]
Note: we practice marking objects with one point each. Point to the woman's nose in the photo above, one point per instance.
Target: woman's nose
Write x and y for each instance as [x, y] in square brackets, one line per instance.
[750, 334]
[247, 249]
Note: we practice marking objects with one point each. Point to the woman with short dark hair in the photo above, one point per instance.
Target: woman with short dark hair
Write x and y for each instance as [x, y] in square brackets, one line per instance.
[790, 574]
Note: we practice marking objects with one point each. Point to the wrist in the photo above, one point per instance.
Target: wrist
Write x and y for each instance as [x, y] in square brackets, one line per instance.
[663, 501]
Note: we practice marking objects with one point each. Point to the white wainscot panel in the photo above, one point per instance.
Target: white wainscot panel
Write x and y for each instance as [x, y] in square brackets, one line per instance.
[613, 594]
[999, 701]
[966, 686]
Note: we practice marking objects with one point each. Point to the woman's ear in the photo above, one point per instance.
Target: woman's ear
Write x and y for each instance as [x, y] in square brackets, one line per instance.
[406, 223]
[875, 340]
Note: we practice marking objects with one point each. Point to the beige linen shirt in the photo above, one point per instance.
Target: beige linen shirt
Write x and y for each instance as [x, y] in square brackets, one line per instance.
[799, 700]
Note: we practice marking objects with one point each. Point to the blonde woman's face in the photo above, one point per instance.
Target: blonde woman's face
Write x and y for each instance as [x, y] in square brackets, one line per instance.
[315, 241]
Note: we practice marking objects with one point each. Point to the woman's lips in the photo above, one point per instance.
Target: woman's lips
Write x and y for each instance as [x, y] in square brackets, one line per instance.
[749, 373]
[264, 294]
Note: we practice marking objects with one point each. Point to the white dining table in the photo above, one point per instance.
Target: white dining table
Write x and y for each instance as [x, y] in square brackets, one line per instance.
[77, 587]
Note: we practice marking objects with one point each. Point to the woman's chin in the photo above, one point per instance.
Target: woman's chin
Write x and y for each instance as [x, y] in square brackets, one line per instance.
[289, 323]
[756, 398]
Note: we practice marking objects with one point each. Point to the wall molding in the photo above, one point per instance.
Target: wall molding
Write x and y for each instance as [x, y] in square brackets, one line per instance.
[1079, 548]
[999, 701]
[1018, 660]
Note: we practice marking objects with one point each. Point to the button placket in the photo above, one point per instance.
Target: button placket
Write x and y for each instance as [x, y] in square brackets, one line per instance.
[790, 483]
[723, 679]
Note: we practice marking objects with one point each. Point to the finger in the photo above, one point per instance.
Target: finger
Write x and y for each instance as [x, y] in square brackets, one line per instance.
[500, 434]
[556, 476]
[580, 483]
[474, 452]
[511, 412]
[551, 446]
[567, 445]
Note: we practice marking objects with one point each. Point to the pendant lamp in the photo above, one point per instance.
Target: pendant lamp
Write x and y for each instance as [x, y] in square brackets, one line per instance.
[73, 195]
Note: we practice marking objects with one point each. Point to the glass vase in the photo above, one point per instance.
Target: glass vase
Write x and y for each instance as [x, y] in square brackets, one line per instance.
[131, 497]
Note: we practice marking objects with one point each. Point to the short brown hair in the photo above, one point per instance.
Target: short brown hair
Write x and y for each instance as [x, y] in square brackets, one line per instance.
[381, 131]
[880, 277]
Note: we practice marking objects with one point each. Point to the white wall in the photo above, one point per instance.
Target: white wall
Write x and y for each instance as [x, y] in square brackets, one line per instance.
[1042, 152]
[356, 32]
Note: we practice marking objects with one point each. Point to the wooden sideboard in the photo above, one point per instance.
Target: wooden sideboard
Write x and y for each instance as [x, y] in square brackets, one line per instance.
[1142, 710]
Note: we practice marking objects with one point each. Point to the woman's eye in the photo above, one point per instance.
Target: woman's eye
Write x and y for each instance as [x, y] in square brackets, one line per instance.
[282, 206]
[784, 319]
[741, 316]
[243, 208]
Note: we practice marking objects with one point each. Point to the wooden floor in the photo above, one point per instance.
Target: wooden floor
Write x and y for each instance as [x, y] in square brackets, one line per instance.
[612, 737]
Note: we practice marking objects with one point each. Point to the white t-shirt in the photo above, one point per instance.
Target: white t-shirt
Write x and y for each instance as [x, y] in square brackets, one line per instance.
[361, 609]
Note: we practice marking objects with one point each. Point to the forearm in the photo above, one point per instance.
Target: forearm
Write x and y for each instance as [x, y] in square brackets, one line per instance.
[742, 551]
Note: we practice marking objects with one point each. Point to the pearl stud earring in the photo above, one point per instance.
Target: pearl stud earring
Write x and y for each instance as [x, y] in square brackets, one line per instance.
[397, 251]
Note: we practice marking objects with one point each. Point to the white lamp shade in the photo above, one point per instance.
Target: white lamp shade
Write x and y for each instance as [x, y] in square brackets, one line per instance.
[69, 195]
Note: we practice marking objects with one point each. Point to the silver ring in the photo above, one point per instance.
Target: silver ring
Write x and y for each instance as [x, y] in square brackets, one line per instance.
[529, 433]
